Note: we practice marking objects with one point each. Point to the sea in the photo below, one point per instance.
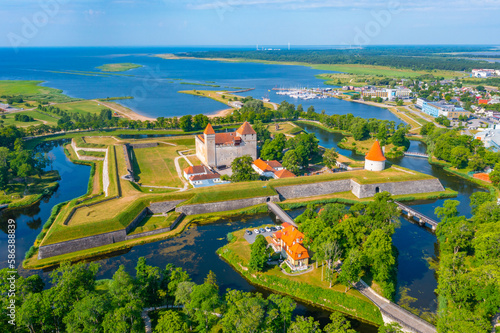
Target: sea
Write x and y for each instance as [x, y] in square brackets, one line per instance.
[155, 86]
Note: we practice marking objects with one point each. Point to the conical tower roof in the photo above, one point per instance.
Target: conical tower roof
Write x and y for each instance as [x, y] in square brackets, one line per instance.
[245, 129]
[375, 153]
[209, 130]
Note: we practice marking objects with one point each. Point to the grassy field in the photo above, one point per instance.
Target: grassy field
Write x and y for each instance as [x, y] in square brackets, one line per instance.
[32, 90]
[153, 222]
[362, 147]
[82, 107]
[285, 128]
[155, 166]
[120, 67]
[222, 97]
[384, 70]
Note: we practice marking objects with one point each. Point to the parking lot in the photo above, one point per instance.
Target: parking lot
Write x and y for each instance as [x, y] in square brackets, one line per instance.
[251, 238]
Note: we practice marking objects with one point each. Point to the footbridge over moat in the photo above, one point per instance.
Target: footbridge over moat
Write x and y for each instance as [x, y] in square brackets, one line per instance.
[422, 219]
[390, 311]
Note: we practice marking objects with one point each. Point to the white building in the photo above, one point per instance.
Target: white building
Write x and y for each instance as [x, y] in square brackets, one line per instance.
[490, 137]
[271, 169]
[375, 159]
[200, 176]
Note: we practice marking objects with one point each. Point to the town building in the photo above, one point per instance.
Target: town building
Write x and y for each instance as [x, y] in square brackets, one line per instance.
[437, 109]
[217, 150]
[201, 176]
[484, 73]
[388, 94]
[375, 159]
[271, 169]
[490, 137]
[288, 241]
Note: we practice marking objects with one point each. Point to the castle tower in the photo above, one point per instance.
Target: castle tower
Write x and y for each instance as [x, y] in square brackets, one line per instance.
[209, 136]
[249, 136]
[375, 160]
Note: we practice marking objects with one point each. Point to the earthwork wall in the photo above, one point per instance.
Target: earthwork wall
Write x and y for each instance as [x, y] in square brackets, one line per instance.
[214, 207]
[310, 190]
[157, 231]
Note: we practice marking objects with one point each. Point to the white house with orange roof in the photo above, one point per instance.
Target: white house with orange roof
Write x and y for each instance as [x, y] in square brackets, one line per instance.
[220, 149]
[201, 176]
[271, 169]
[375, 159]
[288, 241]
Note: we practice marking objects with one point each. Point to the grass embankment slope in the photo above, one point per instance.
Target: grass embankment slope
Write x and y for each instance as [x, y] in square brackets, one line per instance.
[118, 67]
[307, 287]
[19, 193]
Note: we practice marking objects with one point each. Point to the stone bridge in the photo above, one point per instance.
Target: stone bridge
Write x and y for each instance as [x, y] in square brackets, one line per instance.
[409, 153]
[280, 213]
[422, 219]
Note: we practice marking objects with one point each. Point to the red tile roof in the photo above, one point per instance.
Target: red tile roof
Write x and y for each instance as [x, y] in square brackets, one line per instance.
[209, 130]
[201, 138]
[224, 138]
[274, 164]
[205, 176]
[284, 173]
[196, 169]
[297, 252]
[245, 129]
[375, 153]
[263, 165]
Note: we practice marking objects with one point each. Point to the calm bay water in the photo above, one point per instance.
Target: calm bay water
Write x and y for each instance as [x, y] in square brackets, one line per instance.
[155, 86]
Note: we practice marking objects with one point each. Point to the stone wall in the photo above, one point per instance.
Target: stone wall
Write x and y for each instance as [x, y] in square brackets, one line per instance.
[164, 206]
[131, 226]
[81, 244]
[310, 190]
[157, 231]
[398, 188]
[144, 145]
[128, 163]
[224, 206]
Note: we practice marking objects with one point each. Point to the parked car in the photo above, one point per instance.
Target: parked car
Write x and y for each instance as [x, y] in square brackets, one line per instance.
[257, 231]
[248, 232]
[279, 227]
[262, 230]
[273, 229]
[268, 229]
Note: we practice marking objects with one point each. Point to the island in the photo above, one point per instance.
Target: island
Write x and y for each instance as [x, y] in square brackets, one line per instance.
[118, 67]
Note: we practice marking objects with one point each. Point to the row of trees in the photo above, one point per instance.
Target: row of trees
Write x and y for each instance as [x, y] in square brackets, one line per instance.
[360, 236]
[469, 267]
[16, 161]
[462, 151]
[77, 302]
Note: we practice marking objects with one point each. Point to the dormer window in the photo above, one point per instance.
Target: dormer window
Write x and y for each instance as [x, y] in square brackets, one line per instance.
[299, 255]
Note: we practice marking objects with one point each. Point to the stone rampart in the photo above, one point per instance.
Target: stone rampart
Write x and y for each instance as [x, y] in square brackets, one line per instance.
[144, 145]
[310, 190]
[397, 188]
[224, 205]
[81, 244]
[157, 231]
[164, 206]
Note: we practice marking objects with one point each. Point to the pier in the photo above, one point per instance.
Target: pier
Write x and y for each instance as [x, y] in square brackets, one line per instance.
[422, 219]
[415, 154]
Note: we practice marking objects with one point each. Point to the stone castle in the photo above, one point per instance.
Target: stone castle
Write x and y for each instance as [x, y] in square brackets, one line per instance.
[220, 149]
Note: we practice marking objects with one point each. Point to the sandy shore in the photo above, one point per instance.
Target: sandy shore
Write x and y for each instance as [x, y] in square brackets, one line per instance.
[124, 111]
[222, 113]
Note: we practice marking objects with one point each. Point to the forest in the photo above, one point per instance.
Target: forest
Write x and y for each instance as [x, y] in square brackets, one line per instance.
[411, 57]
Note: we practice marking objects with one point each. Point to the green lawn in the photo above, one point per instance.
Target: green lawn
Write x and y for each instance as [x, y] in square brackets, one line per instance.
[82, 107]
[40, 118]
[120, 67]
[152, 222]
[155, 166]
[32, 90]
[18, 193]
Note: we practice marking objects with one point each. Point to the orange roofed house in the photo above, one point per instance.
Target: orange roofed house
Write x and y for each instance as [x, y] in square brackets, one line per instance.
[220, 149]
[271, 169]
[288, 241]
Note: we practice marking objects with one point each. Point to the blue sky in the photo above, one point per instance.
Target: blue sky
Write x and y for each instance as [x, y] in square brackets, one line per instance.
[247, 22]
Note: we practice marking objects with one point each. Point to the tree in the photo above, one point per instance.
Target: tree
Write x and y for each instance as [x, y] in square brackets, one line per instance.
[476, 163]
[242, 169]
[245, 312]
[495, 175]
[330, 158]
[360, 130]
[339, 324]
[273, 149]
[186, 123]
[390, 328]
[351, 269]
[291, 162]
[479, 198]
[4, 167]
[204, 300]
[459, 157]
[280, 310]
[87, 314]
[258, 255]
[171, 322]
[304, 325]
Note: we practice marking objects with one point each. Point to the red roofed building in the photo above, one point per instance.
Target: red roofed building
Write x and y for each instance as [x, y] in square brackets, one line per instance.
[483, 101]
[289, 242]
[200, 176]
[375, 159]
[271, 169]
[220, 149]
